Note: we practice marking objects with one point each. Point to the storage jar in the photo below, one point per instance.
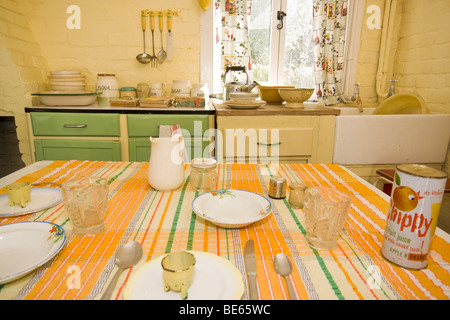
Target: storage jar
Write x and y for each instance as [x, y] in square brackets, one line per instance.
[203, 174]
[107, 86]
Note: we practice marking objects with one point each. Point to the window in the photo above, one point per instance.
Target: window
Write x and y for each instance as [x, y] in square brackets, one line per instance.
[281, 42]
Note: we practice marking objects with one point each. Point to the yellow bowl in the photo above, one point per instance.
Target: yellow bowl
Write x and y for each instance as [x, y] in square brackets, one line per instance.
[402, 103]
[295, 97]
[270, 94]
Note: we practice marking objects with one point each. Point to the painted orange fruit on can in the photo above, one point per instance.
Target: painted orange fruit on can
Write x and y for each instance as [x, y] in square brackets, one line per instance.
[416, 197]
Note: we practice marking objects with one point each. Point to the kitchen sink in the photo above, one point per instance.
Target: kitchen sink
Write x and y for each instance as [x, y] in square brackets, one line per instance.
[364, 138]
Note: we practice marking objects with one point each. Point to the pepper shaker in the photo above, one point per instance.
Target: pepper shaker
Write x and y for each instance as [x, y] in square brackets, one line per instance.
[297, 194]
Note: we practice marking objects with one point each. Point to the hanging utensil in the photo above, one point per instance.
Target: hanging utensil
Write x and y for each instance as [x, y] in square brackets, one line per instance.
[143, 57]
[169, 36]
[162, 55]
[152, 27]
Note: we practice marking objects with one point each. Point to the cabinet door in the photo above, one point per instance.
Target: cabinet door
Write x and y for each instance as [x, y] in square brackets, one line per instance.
[101, 150]
[140, 149]
[75, 124]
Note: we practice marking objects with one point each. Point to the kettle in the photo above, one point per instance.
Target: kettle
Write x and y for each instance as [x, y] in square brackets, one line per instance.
[235, 86]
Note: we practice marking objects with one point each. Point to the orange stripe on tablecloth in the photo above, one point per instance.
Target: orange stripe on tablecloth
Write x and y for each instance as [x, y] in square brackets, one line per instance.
[268, 238]
[91, 261]
[357, 272]
[158, 231]
[352, 284]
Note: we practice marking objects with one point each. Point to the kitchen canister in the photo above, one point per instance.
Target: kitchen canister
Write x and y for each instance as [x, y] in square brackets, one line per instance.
[181, 88]
[416, 198]
[200, 90]
[127, 92]
[107, 86]
[142, 90]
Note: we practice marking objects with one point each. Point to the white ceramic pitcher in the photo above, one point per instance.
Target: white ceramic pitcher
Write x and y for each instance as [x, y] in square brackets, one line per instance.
[166, 166]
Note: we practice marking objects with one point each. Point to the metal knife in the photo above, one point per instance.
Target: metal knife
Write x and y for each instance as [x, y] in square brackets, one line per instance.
[250, 268]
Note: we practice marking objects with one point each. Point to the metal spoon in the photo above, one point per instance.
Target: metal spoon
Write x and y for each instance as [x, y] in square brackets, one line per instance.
[143, 57]
[126, 257]
[162, 55]
[283, 267]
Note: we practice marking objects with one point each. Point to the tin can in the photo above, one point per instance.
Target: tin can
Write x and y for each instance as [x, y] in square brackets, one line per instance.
[416, 198]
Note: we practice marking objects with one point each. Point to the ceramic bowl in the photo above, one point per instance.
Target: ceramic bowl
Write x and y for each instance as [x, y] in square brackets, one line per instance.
[270, 94]
[403, 103]
[295, 97]
[243, 97]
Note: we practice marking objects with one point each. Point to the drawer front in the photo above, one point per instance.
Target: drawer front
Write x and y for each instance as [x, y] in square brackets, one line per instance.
[253, 143]
[75, 124]
[48, 149]
[140, 149]
[140, 125]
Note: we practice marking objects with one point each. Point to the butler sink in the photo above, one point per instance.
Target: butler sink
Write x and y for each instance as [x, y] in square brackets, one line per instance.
[366, 138]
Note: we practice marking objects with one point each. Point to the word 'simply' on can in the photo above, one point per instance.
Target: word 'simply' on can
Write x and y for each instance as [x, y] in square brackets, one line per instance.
[416, 199]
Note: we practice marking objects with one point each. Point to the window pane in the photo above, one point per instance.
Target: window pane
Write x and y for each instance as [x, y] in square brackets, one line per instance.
[259, 34]
[298, 55]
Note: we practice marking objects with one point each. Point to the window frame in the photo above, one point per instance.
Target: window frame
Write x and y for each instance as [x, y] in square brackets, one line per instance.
[210, 70]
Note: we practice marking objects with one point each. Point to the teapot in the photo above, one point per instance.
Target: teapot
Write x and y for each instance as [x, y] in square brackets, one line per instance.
[166, 165]
[235, 86]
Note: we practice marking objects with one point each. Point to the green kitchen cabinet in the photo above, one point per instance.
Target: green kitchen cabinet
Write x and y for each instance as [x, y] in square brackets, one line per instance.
[194, 128]
[140, 149]
[72, 149]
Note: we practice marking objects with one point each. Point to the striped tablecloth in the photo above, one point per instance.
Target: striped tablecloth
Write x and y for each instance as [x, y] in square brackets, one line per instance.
[163, 222]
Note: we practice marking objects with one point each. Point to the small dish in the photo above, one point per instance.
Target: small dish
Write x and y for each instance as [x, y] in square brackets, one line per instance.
[25, 246]
[215, 278]
[244, 105]
[41, 199]
[231, 208]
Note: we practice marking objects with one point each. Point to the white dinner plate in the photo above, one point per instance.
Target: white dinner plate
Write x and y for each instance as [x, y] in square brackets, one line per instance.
[41, 199]
[25, 246]
[244, 105]
[215, 278]
[231, 208]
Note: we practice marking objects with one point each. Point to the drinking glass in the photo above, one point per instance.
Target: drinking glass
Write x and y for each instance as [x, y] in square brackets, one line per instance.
[326, 210]
[85, 201]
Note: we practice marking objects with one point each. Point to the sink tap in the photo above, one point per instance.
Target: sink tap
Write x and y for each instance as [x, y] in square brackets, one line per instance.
[356, 93]
[392, 88]
[357, 98]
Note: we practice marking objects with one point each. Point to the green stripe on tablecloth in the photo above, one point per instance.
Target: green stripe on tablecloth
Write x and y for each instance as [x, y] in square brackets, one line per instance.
[321, 262]
[190, 240]
[173, 229]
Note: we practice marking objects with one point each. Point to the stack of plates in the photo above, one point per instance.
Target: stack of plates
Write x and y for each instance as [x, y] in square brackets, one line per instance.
[244, 100]
[67, 80]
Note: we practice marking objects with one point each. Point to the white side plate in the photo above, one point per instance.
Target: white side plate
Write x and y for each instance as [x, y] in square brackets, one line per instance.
[41, 199]
[215, 278]
[25, 246]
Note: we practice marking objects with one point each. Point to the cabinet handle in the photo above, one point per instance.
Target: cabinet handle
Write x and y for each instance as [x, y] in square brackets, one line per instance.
[75, 125]
[269, 144]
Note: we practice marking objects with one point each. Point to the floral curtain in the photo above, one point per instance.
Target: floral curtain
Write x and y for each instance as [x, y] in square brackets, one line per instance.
[329, 27]
[232, 36]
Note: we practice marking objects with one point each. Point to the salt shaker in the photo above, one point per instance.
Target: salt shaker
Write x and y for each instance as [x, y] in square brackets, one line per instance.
[277, 188]
[297, 194]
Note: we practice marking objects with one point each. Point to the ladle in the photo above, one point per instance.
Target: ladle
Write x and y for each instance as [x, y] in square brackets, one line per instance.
[283, 267]
[152, 27]
[126, 257]
[143, 57]
[162, 55]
